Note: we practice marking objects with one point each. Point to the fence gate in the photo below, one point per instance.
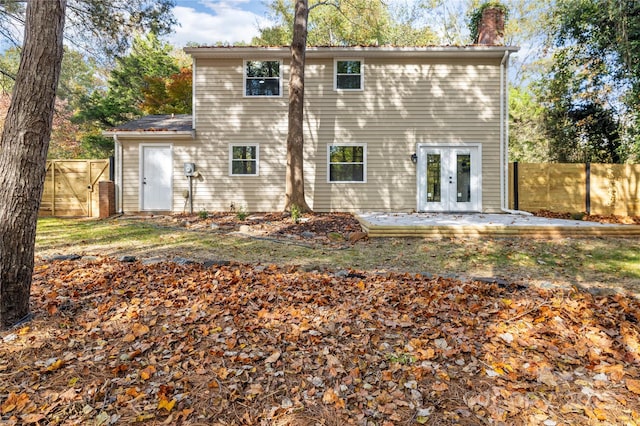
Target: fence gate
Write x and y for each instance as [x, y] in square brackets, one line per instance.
[71, 187]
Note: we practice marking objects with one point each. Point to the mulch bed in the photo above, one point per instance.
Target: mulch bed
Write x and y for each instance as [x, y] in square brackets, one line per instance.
[623, 220]
[333, 226]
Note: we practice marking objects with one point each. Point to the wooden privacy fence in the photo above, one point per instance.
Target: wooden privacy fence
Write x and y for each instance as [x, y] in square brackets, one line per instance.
[597, 189]
[71, 187]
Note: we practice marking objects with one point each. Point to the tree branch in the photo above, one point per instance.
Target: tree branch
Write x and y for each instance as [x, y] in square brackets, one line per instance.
[325, 3]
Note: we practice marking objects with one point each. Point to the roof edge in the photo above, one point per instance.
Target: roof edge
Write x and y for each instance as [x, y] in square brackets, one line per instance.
[151, 134]
[338, 51]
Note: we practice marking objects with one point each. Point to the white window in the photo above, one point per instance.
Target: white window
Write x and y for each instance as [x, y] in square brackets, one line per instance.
[243, 160]
[347, 163]
[263, 78]
[349, 74]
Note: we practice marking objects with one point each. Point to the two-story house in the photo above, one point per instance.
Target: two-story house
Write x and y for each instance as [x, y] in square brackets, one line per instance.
[386, 129]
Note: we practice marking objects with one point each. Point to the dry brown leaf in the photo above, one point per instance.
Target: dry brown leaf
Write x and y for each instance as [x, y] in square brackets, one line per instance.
[139, 329]
[14, 401]
[56, 365]
[32, 418]
[166, 404]
[546, 376]
[69, 395]
[273, 357]
[129, 338]
[147, 372]
[633, 385]
[439, 386]
[331, 397]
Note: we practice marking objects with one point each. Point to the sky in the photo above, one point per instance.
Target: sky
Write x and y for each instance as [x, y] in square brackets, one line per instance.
[206, 22]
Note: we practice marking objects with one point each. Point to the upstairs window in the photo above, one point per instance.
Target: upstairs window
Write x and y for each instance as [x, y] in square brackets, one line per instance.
[262, 78]
[243, 160]
[348, 74]
[347, 163]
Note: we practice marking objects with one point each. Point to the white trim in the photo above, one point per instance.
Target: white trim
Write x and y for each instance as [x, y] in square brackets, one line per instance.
[231, 146]
[421, 168]
[280, 78]
[117, 159]
[141, 174]
[364, 163]
[504, 171]
[335, 74]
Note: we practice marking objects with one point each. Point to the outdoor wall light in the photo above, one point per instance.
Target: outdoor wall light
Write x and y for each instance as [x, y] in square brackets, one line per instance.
[414, 158]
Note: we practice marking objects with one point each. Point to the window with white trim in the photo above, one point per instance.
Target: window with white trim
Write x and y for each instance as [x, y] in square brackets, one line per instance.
[349, 74]
[347, 163]
[262, 78]
[243, 160]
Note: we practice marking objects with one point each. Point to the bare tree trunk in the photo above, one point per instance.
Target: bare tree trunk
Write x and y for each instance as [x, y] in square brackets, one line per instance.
[23, 153]
[294, 192]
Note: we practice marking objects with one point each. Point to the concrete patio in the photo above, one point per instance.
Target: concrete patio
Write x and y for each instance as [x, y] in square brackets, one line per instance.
[422, 225]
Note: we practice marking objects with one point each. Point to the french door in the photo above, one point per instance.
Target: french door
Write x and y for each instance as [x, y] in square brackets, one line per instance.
[449, 178]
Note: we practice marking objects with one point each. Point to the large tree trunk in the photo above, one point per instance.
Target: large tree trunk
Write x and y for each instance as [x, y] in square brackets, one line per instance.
[23, 153]
[294, 192]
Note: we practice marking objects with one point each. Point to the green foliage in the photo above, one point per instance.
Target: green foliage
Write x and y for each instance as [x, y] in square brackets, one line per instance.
[346, 23]
[149, 57]
[203, 214]
[242, 213]
[94, 145]
[591, 94]
[526, 135]
[9, 61]
[476, 16]
[79, 76]
[150, 61]
[402, 358]
[296, 214]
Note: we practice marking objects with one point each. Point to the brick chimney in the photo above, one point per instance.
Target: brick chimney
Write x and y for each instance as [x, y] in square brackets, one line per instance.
[491, 27]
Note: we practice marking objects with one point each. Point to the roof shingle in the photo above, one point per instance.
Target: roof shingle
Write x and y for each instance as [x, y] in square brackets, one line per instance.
[158, 123]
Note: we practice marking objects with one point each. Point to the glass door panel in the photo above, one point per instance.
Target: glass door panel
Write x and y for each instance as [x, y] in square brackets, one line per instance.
[434, 173]
[463, 178]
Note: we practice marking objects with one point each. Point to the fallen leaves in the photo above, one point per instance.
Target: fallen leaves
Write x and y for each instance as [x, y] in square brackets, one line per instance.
[242, 344]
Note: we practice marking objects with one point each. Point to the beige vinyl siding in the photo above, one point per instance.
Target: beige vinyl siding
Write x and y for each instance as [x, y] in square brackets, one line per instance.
[405, 102]
[226, 117]
[402, 104]
[130, 175]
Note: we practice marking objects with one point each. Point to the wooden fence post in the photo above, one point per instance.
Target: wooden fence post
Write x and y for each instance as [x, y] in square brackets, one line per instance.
[516, 200]
[588, 188]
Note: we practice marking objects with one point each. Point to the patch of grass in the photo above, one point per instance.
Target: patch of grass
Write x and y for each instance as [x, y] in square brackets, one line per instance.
[620, 260]
[402, 358]
[58, 233]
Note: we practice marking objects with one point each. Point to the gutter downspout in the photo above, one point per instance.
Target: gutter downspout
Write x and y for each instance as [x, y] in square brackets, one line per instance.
[504, 140]
[118, 160]
[193, 93]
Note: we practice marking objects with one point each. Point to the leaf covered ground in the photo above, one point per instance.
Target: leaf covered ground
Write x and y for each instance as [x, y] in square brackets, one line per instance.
[253, 344]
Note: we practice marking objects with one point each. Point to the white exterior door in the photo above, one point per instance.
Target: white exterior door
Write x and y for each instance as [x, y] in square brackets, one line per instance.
[156, 176]
[449, 178]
